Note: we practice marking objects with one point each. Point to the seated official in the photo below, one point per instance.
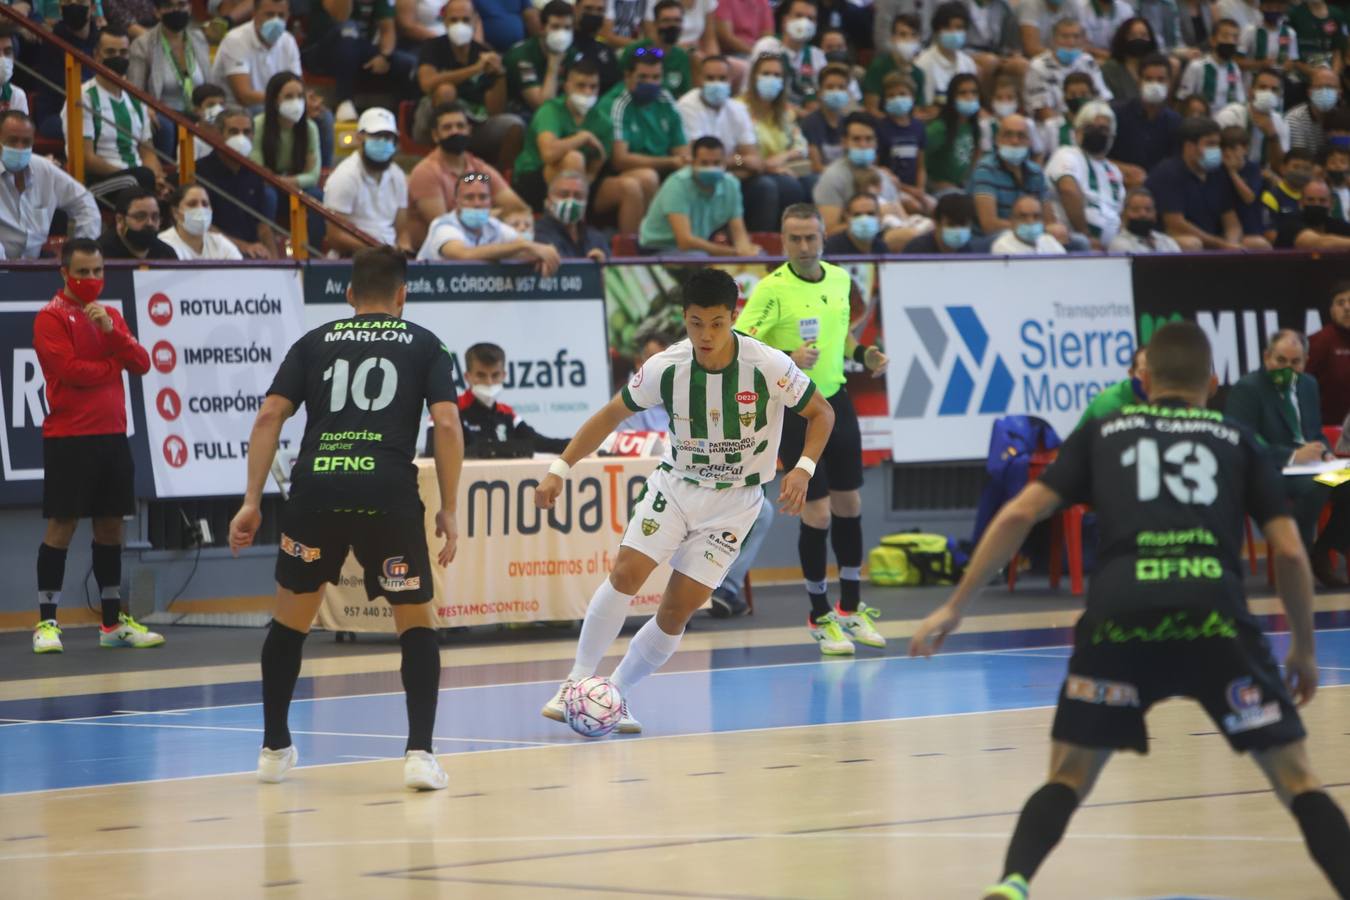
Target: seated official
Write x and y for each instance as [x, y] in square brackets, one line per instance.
[1119, 395]
[1282, 406]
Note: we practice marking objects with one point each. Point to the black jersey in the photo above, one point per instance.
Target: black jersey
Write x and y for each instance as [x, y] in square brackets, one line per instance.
[1171, 486]
[363, 382]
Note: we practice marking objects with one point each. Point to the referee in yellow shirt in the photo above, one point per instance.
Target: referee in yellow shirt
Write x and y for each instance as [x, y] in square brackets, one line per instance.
[802, 308]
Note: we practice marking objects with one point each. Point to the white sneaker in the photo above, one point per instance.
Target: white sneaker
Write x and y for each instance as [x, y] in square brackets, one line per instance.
[830, 635]
[859, 626]
[128, 633]
[47, 637]
[554, 709]
[421, 772]
[346, 112]
[274, 764]
[628, 724]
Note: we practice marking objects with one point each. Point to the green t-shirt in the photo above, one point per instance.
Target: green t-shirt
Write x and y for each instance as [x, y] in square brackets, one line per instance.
[884, 64]
[654, 129]
[367, 14]
[1109, 402]
[678, 74]
[526, 65]
[1316, 43]
[707, 212]
[949, 161]
[553, 117]
[786, 311]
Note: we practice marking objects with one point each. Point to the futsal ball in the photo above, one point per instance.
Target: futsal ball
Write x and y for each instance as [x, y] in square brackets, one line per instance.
[593, 706]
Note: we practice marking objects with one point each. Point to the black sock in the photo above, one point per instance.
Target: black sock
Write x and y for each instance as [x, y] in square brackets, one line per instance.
[421, 683]
[1039, 828]
[281, 655]
[51, 571]
[846, 537]
[1327, 835]
[108, 576]
[811, 550]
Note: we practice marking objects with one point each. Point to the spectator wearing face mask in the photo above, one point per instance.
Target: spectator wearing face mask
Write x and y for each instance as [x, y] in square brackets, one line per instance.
[1002, 177]
[1134, 42]
[864, 232]
[1048, 71]
[897, 57]
[1270, 42]
[710, 110]
[945, 61]
[453, 67]
[1056, 129]
[1089, 187]
[1336, 171]
[1139, 227]
[677, 75]
[837, 182]
[1102, 21]
[535, 67]
[251, 53]
[1026, 234]
[135, 230]
[563, 226]
[1321, 28]
[787, 177]
[168, 62]
[191, 236]
[802, 62]
[640, 126]
[1308, 121]
[1005, 99]
[739, 24]
[11, 95]
[471, 232]
[1282, 199]
[904, 137]
[242, 205]
[1036, 20]
[952, 139]
[694, 206]
[208, 102]
[1146, 127]
[1195, 196]
[77, 27]
[823, 129]
[955, 214]
[1216, 77]
[32, 189]
[1267, 132]
[1247, 183]
[368, 190]
[589, 46]
[1311, 227]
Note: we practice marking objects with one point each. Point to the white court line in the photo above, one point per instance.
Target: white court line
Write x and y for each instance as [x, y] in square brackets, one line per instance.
[638, 838]
[392, 737]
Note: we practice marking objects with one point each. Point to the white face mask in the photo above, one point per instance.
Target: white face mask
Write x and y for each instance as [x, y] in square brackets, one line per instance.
[582, 103]
[907, 49]
[291, 110]
[486, 394]
[6, 69]
[800, 29]
[197, 221]
[212, 112]
[240, 143]
[460, 33]
[1004, 108]
[559, 41]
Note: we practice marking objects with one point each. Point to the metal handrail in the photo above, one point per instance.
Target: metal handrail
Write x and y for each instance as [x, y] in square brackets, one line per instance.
[188, 131]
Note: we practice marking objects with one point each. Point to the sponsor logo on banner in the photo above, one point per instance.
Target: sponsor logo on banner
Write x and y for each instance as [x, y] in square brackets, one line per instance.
[1011, 347]
[215, 343]
[394, 576]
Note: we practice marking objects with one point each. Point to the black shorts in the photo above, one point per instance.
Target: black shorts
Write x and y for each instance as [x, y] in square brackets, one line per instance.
[391, 547]
[1115, 676]
[840, 467]
[531, 187]
[88, 476]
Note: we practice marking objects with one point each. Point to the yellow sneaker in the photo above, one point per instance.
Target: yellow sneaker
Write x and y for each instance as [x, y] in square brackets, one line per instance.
[47, 637]
[128, 633]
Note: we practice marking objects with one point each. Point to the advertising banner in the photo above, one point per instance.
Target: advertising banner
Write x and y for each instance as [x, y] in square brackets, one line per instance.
[974, 341]
[552, 329]
[1239, 301]
[23, 398]
[215, 342]
[516, 563]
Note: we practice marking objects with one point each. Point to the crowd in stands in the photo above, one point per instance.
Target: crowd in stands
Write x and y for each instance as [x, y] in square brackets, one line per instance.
[511, 130]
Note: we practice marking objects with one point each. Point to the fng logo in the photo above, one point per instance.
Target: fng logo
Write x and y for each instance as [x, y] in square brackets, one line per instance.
[934, 336]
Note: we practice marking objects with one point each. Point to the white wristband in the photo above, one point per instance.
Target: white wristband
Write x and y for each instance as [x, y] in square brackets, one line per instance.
[560, 468]
[807, 465]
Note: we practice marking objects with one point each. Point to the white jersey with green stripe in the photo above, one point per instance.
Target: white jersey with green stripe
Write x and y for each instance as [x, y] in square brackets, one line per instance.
[724, 425]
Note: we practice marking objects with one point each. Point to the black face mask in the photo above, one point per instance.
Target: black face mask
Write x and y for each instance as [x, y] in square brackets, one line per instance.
[118, 64]
[177, 20]
[1075, 105]
[74, 16]
[670, 34]
[1140, 228]
[455, 144]
[1225, 51]
[837, 56]
[1095, 140]
[1337, 178]
[1137, 47]
[1316, 216]
[140, 238]
[590, 23]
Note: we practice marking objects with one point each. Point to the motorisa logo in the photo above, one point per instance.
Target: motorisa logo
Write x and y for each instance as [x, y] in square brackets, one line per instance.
[1046, 359]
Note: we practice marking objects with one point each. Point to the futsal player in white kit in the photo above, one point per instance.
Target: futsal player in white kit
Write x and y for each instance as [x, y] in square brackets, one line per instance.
[726, 395]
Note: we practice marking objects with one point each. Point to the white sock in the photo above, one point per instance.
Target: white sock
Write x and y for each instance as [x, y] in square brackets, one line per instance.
[649, 650]
[604, 620]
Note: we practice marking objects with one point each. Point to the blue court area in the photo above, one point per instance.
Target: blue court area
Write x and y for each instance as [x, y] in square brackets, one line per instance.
[215, 730]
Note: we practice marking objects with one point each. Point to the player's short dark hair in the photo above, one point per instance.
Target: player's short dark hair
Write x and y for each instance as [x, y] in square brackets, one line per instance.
[112, 31]
[77, 245]
[953, 11]
[449, 107]
[803, 211]
[907, 19]
[1082, 78]
[555, 9]
[709, 288]
[1179, 357]
[1153, 61]
[1236, 136]
[666, 4]
[203, 92]
[583, 66]
[485, 353]
[858, 118]
[707, 142]
[378, 273]
[862, 195]
[129, 196]
[1196, 129]
[955, 209]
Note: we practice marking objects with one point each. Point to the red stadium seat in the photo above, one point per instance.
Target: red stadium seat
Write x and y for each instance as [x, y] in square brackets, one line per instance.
[624, 245]
[1066, 532]
[771, 241]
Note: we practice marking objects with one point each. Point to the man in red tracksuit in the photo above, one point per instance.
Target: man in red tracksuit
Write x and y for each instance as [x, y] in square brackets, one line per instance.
[88, 472]
[1329, 358]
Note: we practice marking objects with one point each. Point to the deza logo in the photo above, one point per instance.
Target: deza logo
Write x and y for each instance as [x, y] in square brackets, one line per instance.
[1051, 363]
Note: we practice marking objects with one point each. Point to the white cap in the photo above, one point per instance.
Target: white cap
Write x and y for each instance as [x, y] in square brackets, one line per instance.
[375, 120]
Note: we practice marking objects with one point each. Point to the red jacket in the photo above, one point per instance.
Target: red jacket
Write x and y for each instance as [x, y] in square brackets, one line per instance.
[83, 367]
[1329, 363]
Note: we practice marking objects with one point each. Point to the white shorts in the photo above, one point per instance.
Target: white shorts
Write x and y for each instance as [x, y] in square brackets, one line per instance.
[698, 530]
